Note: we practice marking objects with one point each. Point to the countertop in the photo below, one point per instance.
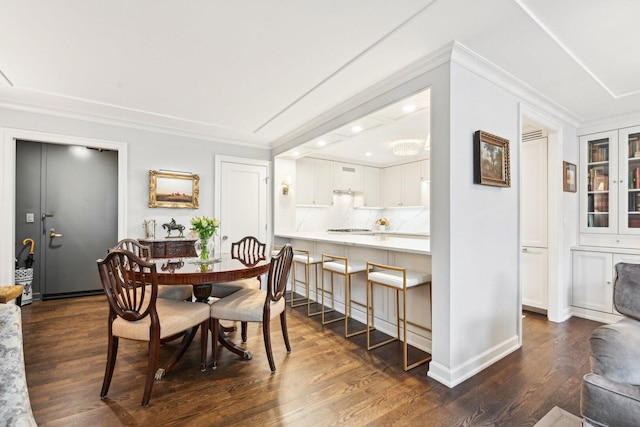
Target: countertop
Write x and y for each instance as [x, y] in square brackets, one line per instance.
[390, 242]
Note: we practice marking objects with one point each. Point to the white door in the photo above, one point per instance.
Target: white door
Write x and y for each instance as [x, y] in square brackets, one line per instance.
[241, 200]
[534, 260]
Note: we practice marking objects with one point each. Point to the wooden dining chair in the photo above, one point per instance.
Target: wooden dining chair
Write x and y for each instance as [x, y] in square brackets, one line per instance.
[248, 250]
[178, 292]
[257, 305]
[136, 313]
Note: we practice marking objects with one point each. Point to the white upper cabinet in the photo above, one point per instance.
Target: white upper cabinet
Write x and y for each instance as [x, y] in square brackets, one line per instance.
[402, 185]
[610, 190]
[348, 177]
[314, 182]
[371, 197]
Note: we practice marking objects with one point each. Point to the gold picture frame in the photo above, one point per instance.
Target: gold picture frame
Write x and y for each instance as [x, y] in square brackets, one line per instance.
[569, 177]
[173, 190]
[491, 164]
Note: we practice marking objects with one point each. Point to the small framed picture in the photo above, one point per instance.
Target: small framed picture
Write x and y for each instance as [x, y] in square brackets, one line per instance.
[491, 160]
[173, 190]
[569, 177]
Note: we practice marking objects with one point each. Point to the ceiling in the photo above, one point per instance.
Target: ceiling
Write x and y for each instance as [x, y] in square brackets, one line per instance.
[254, 72]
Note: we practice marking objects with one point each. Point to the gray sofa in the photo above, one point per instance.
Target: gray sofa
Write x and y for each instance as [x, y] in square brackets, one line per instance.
[15, 407]
[611, 393]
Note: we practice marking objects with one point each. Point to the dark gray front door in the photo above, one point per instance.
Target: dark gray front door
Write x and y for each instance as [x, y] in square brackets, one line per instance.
[80, 201]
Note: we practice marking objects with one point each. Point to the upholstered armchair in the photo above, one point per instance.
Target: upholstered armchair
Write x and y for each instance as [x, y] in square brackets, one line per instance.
[611, 393]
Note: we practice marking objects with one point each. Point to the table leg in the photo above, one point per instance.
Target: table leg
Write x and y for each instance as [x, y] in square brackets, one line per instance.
[223, 339]
[178, 353]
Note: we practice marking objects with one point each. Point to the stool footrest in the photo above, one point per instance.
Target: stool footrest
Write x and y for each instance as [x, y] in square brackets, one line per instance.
[380, 344]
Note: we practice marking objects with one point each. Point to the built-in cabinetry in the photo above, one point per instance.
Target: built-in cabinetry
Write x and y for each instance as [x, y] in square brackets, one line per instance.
[609, 219]
[314, 182]
[402, 184]
[396, 186]
[610, 190]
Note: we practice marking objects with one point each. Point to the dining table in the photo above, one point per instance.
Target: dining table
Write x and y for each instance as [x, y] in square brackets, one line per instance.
[203, 275]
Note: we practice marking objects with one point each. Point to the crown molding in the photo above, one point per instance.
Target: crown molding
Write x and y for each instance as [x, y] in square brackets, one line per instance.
[476, 64]
[609, 123]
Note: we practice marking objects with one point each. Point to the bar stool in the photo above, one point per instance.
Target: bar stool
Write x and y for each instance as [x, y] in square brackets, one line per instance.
[341, 266]
[303, 257]
[400, 280]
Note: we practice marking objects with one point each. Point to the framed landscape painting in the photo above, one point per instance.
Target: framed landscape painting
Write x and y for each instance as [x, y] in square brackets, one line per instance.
[173, 190]
[491, 160]
[569, 177]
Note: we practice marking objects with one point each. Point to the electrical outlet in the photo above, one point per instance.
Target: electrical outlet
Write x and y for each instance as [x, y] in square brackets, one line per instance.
[30, 217]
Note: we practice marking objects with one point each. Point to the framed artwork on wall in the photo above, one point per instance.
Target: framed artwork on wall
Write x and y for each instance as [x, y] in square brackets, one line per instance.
[491, 160]
[173, 190]
[569, 177]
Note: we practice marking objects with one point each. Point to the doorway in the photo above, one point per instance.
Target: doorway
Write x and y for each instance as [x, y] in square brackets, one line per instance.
[242, 199]
[67, 202]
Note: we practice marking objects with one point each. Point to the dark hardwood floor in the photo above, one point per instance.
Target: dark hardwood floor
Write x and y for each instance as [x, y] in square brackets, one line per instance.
[326, 380]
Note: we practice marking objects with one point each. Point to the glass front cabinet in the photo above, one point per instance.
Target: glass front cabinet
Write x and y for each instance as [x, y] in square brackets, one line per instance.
[610, 188]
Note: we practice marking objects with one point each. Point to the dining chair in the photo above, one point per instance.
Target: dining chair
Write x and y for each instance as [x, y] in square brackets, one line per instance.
[248, 250]
[257, 305]
[136, 313]
[178, 292]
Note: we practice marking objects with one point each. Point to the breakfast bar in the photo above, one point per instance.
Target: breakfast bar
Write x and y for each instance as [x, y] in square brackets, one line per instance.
[411, 251]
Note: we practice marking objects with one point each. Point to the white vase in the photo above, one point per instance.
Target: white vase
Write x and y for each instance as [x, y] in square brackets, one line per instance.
[382, 227]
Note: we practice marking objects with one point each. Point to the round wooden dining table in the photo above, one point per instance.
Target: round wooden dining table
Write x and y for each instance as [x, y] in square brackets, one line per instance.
[203, 275]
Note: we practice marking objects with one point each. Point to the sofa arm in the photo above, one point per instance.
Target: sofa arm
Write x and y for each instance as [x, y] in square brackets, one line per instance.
[15, 407]
[604, 402]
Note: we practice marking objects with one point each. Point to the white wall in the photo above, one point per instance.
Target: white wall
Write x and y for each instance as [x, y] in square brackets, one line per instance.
[146, 150]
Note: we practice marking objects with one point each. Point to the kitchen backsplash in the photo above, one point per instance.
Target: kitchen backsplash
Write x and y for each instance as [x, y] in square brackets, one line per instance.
[343, 215]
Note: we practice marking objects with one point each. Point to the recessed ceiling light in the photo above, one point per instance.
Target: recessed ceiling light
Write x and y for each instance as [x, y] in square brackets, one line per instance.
[368, 154]
[295, 153]
[356, 129]
[321, 142]
[409, 108]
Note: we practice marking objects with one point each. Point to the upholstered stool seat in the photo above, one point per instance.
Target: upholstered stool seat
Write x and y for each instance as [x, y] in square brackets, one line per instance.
[400, 280]
[342, 266]
[11, 292]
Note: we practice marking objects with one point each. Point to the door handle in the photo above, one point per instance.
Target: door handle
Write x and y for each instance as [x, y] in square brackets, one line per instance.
[53, 234]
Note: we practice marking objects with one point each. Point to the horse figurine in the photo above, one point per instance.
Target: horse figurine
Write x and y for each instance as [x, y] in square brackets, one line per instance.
[170, 226]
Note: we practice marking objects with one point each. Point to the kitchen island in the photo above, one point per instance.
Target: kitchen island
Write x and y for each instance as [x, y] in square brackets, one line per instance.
[412, 252]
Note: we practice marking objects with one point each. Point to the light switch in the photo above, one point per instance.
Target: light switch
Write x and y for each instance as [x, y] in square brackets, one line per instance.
[30, 217]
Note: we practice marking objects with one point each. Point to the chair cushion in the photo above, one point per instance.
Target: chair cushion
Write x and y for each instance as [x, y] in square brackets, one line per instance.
[252, 283]
[394, 278]
[303, 259]
[246, 305]
[615, 349]
[178, 292]
[609, 403]
[175, 316]
[339, 267]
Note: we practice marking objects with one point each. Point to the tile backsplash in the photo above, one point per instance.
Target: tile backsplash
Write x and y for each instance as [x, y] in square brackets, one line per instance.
[342, 214]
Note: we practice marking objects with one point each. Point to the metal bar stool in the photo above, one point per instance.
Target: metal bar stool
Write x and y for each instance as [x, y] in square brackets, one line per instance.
[400, 280]
[341, 266]
[304, 258]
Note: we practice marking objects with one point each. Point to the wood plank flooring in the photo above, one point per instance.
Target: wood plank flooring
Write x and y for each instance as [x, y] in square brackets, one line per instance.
[326, 380]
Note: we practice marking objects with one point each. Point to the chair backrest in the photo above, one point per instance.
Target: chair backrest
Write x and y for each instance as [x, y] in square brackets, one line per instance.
[130, 284]
[249, 250]
[132, 245]
[626, 290]
[279, 270]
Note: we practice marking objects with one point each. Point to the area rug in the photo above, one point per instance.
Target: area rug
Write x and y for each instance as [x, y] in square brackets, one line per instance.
[557, 417]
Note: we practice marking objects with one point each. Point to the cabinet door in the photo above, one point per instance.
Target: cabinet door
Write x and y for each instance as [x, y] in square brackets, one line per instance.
[305, 181]
[392, 186]
[323, 182]
[347, 177]
[534, 193]
[412, 184]
[629, 181]
[599, 161]
[372, 187]
[592, 286]
[534, 277]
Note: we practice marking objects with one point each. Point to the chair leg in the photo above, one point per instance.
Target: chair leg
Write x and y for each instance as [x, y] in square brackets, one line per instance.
[204, 335]
[266, 332]
[111, 363]
[214, 341]
[151, 370]
[285, 332]
[243, 333]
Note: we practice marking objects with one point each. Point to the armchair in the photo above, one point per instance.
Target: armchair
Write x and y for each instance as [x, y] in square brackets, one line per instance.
[611, 393]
